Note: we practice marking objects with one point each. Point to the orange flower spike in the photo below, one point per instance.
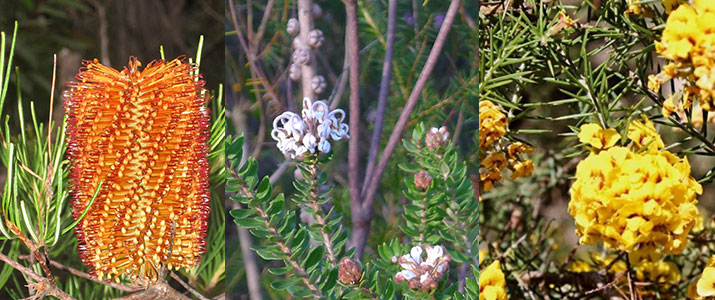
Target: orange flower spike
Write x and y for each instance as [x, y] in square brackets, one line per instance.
[144, 134]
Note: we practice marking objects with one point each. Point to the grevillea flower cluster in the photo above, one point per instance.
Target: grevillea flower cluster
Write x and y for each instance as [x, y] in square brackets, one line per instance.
[641, 199]
[143, 134]
[688, 41]
[496, 152]
[310, 133]
[492, 284]
[423, 274]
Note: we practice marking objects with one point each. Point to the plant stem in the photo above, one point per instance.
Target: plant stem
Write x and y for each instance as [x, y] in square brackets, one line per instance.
[359, 239]
[382, 95]
[43, 286]
[314, 197]
[305, 19]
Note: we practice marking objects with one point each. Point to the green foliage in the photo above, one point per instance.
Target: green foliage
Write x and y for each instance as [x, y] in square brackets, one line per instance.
[309, 252]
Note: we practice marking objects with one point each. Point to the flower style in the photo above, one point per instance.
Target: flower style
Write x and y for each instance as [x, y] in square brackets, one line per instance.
[311, 133]
[423, 274]
[688, 41]
[492, 284]
[143, 133]
[641, 203]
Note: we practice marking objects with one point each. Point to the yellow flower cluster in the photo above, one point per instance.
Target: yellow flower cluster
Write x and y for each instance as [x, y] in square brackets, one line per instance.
[496, 153]
[688, 41]
[641, 199]
[492, 285]
[635, 7]
[705, 286]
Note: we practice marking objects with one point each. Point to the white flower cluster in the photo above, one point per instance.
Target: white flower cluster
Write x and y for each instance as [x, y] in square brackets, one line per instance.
[312, 132]
[423, 274]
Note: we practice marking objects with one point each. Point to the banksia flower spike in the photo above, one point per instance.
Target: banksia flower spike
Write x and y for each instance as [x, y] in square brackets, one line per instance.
[143, 134]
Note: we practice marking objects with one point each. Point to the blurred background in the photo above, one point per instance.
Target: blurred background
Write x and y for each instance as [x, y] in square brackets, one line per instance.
[110, 31]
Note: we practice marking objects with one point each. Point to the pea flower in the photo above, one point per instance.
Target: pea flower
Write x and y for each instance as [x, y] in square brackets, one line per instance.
[706, 284]
[423, 274]
[311, 132]
[492, 285]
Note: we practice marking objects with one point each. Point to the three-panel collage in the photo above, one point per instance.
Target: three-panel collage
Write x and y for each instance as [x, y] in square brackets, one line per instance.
[357, 149]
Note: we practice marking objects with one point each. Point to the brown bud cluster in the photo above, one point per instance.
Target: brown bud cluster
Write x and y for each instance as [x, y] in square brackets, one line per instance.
[436, 138]
[143, 134]
[423, 180]
[349, 271]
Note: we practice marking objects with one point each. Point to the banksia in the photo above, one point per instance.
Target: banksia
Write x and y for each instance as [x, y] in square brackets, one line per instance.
[143, 134]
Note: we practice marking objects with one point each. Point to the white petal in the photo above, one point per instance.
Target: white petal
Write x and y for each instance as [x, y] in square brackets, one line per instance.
[424, 277]
[416, 254]
[407, 274]
[324, 146]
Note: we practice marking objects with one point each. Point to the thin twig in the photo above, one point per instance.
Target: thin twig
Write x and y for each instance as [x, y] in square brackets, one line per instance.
[264, 21]
[43, 285]
[187, 287]
[253, 60]
[405, 116]
[382, 95]
[84, 275]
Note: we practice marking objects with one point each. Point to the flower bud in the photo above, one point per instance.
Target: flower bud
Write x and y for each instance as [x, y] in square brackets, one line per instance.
[436, 138]
[301, 56]
[293, 27]
[318, 84]
[349, 271]
[315, 38]
[294, 72]
[423, 180]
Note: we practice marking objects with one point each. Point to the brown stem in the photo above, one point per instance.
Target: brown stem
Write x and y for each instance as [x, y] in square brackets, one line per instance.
[33, 249]
[187, 287]
[43, 285]
[382, 95]
[253, 60]
[354, 145]
[84, 275]
[264, 21]
[402, 122]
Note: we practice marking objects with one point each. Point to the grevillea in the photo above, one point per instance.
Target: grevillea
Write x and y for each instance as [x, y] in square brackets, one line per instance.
[143, 134]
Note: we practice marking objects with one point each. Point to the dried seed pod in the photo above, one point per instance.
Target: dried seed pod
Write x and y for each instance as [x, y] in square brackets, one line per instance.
[423, 180]
[315, 38]
[294, 72]
[292, 26]
[349, 271]
[301, 56]
[318, 84]
[143, 134]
